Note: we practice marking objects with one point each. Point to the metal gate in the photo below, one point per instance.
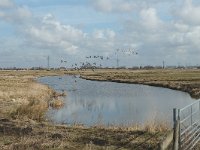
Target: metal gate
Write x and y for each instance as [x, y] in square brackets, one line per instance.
[188, 119]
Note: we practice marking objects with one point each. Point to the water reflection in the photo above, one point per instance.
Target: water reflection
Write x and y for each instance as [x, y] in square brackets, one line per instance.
[92, 102]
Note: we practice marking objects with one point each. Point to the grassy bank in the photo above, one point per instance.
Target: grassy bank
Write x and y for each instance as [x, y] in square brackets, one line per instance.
[23, 135]
[179, 79]
[19, 91]
[24, 102]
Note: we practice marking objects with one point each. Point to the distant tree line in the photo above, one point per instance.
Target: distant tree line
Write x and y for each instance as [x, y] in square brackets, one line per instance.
[100, 67]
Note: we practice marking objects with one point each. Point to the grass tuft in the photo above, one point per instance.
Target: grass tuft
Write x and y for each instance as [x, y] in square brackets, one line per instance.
[34, 110]
[154, 126]
[57, 103]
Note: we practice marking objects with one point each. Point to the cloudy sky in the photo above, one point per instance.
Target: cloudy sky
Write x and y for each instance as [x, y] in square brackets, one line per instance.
[71, 30]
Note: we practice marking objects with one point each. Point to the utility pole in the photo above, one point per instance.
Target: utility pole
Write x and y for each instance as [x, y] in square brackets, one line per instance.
[117, 58]
[48, 62]
[117, 62]
[163, 64]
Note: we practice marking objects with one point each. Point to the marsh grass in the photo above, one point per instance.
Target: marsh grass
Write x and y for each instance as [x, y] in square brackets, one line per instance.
[152, 126]
[36, 106]
[33, 110]
[56, 103]
[156, 126]
[22, 97]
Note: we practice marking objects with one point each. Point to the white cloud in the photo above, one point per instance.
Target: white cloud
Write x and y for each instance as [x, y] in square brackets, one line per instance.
[114, 5]
[51, 34]
[6, 4]
[125, 6]
[193, 36]
[16, 14]
[2, 15]
[98, 34]
[53, 37]
[150, 19]
[159, 39]
[189, 13]
[181, 27]
[23, 12]
[143, 26]
[103, 5]
[104, 34]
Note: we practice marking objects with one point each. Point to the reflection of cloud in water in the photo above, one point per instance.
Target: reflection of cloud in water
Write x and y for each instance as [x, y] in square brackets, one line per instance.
[107, 102]
[80, 110]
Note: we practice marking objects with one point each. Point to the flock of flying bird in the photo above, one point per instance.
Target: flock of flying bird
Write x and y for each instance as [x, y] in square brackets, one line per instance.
[128, 52]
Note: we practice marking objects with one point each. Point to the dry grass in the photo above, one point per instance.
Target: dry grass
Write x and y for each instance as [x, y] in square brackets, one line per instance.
[152, 126]
[21, 97]
[156, 126]
[56, 103]
[26, 135]
[33, 110]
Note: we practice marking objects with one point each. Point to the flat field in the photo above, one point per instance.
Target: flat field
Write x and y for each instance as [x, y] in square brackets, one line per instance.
[23, 103]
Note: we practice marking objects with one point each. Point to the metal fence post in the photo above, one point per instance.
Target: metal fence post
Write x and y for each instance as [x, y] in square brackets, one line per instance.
[199, 107]
[176, 130]
[191, 114]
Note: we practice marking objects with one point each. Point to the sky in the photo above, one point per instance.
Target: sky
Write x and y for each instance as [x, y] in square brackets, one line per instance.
[71, 30]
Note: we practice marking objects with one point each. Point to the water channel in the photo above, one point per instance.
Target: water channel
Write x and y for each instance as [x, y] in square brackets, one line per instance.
[108, 103]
